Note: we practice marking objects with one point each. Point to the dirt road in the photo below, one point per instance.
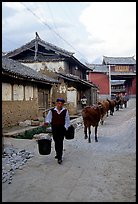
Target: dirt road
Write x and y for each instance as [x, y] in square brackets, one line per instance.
[91, 172]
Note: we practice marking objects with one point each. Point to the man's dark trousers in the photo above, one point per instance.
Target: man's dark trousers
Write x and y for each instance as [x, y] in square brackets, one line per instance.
[58, 137]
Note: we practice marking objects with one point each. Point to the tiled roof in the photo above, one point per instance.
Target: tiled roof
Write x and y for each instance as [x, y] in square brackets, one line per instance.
[41, 42]
[50, 53]
[41, 58]
[117, 82]
[98, 67]
[77, 79]
[119, 60]
[18, 69]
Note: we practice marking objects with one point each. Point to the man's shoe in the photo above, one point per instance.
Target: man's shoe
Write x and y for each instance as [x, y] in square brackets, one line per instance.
[59, 161]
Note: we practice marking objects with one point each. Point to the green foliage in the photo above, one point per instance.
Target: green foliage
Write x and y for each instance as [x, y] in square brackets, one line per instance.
[28, 134]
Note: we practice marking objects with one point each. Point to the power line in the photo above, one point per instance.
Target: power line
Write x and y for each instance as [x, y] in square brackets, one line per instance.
[51, 29]
[51, 13]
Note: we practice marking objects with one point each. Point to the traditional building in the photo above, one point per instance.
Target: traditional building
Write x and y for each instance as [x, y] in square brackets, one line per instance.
[123, 68]
[114, 68]
[117, 87]
[25, 92]
[51, 60]
[99, 75]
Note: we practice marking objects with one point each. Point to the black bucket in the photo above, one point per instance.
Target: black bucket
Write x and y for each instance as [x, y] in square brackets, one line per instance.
[70, 133]
[44, 146]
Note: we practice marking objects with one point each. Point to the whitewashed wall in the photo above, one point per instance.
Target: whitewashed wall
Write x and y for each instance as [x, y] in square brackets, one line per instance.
[35, 92]
[18, 92]
[72, 96]
[52, 66]
[6, 92]
[35, 66]
[28, 93]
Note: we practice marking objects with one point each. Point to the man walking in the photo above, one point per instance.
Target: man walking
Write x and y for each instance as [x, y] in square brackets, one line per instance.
[59, 119]
[126, 98]
[83, 101]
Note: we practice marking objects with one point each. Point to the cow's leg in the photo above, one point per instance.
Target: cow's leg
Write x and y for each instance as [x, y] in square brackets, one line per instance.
[102, 120]
[85, 132]
[96, 140]
[89, 139]
[112, 111]
[107, 113]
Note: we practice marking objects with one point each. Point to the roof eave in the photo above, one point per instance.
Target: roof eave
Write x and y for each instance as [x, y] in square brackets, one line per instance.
[15, 75]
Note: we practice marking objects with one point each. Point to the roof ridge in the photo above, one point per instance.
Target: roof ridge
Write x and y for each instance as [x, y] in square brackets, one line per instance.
[29, 45]
[54, 46]
[17, 49]
[119, 57]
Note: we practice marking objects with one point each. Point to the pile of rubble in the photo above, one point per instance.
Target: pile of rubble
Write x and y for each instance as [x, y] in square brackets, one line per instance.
[13, 159]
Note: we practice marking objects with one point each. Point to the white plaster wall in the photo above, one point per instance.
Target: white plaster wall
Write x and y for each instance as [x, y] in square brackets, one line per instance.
[18, 93]
[28, 93]
[35, 92]
[35, 66]
[6, 92]
[72, 96]
[62, 88]
[52, 66]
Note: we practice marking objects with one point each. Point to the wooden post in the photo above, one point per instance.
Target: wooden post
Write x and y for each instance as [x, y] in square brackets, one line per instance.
[36, 46]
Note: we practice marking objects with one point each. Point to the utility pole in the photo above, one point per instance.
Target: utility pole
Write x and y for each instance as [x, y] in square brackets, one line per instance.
[109, 80]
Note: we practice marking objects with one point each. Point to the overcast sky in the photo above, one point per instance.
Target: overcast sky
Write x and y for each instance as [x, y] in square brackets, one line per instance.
[89, 29]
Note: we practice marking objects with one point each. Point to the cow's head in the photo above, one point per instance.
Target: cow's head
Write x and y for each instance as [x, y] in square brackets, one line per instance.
[100, 106]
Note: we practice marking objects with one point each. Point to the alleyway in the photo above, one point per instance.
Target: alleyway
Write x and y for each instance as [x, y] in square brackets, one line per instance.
[91, 172]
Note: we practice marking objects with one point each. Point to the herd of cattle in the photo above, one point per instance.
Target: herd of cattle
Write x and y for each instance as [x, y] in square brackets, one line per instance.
[92, 115]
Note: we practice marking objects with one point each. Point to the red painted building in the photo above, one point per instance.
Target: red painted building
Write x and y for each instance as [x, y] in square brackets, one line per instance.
[131, 89]
[114, 68]
[123, 68]
[100, 76]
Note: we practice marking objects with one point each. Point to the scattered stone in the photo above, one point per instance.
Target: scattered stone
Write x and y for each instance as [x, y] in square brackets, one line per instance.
[13, 159]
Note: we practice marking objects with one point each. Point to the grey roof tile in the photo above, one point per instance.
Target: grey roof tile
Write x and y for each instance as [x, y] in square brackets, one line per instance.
[14, 67]
[98, 67]
[117, 82]
[119, 60]
[41, 42]
[77, 79]
[58, 53]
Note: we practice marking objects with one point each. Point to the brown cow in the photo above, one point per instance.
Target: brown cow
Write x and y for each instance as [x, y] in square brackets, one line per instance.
[112, 105]
[104, 109]
[91, 116]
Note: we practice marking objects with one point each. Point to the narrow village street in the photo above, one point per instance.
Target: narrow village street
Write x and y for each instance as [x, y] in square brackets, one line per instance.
[91, 172]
